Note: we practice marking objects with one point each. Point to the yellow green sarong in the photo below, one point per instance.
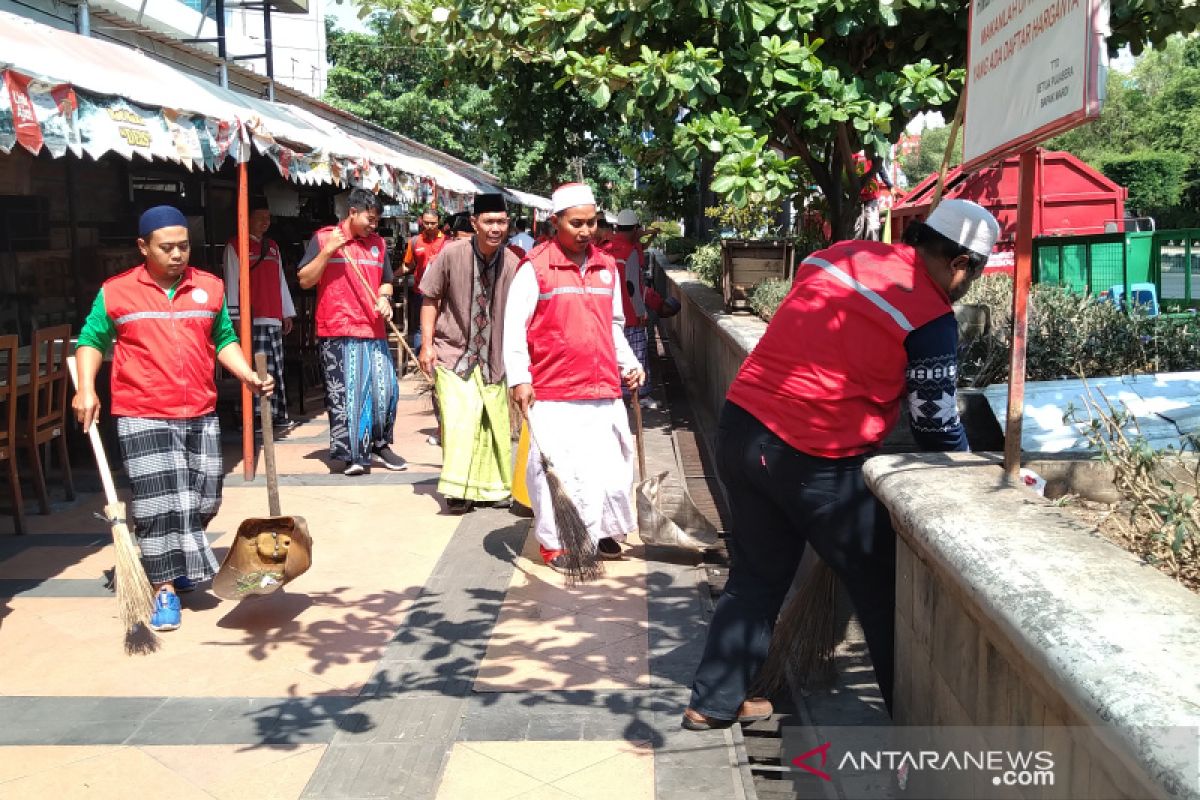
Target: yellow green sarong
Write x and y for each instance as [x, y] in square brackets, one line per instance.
[476, 440]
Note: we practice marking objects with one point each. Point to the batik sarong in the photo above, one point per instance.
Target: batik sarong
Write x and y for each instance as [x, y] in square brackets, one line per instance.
[174, 469]
[476, 437]
[360, 396]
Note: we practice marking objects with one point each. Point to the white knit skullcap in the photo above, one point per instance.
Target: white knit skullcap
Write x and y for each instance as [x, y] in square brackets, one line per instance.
[570, 195]
[969, 224]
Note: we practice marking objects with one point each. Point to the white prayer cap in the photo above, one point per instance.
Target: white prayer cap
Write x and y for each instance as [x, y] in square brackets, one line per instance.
[969, 224]
[570, 195]
[628, 218]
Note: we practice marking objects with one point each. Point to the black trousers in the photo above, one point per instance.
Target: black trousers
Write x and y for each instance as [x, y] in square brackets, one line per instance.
[781, 500]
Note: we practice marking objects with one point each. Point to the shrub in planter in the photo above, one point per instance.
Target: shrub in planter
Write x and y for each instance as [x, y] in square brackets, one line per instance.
[680, 246]
[705, 262]
[1072, 335]
[767, 296]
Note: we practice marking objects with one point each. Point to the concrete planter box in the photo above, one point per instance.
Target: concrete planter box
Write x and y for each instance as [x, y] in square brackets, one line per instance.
[1009, 612]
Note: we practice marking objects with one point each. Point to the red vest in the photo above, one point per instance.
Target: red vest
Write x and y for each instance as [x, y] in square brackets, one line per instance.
[164, 357]
[828, 375]
[423, 253]
[571, 350]
[621, 250]
[344, 306]
[266, 298]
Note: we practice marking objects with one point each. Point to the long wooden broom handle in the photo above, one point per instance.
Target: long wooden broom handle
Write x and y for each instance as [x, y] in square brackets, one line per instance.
[106, 478]
[268, 436]
[371, 292]
[637, 421]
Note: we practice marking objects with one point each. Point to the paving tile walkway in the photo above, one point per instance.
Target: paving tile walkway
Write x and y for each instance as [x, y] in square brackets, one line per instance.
[424, 655]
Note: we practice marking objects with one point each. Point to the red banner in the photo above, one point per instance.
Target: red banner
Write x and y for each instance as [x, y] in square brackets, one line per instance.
[25, 121]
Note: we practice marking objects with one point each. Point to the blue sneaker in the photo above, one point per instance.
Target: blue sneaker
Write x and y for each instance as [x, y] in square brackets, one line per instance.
[183, 584]
[167, 614]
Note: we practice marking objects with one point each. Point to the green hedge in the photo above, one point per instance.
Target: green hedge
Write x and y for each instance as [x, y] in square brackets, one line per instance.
[1071, 334]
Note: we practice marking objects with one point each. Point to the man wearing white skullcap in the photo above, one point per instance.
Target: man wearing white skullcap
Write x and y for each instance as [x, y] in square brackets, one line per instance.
[566, 358]
[865, 327]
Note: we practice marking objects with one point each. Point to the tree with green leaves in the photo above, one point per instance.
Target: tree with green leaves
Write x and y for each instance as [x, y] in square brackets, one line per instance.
[778, 93]
[514, 123]
[1148, 136]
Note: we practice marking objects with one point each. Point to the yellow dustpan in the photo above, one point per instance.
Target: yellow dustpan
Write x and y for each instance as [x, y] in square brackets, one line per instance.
[520, 490]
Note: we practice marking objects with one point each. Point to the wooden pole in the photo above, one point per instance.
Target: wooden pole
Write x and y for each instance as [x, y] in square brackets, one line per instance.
[246, 316]
[954, 126]
[1022, 279]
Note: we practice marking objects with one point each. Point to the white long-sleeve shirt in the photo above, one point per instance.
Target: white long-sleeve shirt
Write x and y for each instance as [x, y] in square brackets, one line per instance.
[522, 302]
[232, 287]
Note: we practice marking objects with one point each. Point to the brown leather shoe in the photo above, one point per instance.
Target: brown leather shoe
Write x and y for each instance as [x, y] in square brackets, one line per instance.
[754, 709]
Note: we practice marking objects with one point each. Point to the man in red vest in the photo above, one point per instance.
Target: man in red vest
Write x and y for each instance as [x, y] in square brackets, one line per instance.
[348, 264]
[867, 326]
[168, 326]
[630, 258]
[566, 358]
[270, 303]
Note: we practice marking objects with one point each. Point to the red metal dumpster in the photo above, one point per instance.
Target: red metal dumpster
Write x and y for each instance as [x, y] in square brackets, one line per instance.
[1072, 199]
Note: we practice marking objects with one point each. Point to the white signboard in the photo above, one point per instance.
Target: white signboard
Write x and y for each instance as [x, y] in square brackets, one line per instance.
[1034, 69]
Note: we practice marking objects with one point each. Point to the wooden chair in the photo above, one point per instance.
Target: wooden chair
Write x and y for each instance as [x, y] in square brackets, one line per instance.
[45, 418]
[8, 425]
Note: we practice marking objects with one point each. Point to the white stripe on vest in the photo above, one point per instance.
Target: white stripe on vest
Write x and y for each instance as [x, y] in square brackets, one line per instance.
[867, 292]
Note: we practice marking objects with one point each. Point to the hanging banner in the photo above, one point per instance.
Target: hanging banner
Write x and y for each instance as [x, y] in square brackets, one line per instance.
[56, 108]
[8, 135]
[185, 131]
[25, 125]
[113, 124]
[1035, 68]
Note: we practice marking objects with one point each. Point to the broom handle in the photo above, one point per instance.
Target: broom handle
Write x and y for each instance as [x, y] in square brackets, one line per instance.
[399, 336]
[268, 434]
[637, 421]
[110, 491]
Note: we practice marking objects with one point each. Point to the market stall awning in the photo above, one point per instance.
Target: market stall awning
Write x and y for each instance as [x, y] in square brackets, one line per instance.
[68, 93]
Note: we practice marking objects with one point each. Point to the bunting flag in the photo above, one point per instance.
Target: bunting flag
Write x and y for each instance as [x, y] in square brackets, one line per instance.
[24, 121]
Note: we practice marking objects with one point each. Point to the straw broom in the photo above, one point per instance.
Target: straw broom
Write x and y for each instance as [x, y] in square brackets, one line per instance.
[805, 638]
[135, 595]
[582, 562]
[392, 325]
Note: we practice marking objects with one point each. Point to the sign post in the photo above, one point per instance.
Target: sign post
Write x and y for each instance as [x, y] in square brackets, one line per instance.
[1035, 68]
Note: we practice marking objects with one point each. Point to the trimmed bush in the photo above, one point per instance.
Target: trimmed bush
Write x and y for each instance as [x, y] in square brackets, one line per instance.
[705, 261]
[1072, 335]
[768, 295]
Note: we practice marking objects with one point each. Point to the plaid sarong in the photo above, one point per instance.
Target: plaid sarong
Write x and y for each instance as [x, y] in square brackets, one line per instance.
[174, 469]
[639, 339]
[269, 339]
[361, 393]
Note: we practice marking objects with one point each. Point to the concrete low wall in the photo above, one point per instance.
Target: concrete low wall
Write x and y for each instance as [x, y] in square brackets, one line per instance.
[710, 344]
[1010, 612]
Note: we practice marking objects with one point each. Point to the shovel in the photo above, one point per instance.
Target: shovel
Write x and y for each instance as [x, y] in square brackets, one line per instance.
[667, 519]
[267, 553]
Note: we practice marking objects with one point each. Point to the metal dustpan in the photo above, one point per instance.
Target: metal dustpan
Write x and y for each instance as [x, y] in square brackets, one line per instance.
[268, 552]
[667, 518]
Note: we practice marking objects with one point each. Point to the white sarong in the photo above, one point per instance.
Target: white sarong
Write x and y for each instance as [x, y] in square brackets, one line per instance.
[591, 451]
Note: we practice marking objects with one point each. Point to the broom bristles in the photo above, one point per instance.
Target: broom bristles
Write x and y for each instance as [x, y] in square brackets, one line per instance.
[582, 563]
[135, 595]
[805, 638]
